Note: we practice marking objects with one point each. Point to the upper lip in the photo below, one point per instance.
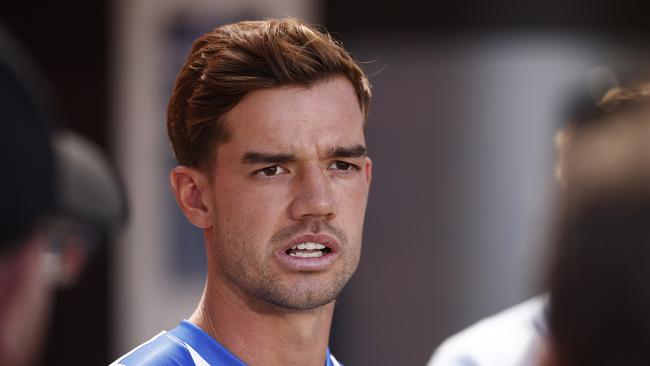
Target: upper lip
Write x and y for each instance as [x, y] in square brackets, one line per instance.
[327, 240]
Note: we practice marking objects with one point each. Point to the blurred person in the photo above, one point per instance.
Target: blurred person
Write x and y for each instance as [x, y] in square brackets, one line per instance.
[599, 311]
[57, 193]
[267, 124]
[516, 336]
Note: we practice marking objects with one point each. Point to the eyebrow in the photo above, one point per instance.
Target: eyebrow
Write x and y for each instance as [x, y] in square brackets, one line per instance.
[355, 151]
[257, 157]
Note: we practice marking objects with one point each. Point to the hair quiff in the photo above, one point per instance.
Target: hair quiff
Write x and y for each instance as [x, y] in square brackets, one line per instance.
[235, 59]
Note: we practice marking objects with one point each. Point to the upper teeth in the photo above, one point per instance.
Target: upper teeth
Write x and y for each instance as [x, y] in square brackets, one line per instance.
[309, 246]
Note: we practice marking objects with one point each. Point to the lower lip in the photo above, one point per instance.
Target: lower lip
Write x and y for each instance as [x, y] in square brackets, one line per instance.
[311, 264]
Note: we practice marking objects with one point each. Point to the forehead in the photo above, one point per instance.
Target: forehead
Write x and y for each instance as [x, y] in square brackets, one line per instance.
[321, 115]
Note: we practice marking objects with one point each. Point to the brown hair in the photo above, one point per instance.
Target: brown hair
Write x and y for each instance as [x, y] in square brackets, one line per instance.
[617, 105]
[636, 94]
[233, 60]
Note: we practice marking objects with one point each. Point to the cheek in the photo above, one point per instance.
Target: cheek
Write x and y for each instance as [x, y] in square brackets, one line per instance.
[352, 209]
[252, 211]
[354, 198]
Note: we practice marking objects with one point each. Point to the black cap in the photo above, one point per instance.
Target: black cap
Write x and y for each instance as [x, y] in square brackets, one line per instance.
[47, 172]
[26, 183]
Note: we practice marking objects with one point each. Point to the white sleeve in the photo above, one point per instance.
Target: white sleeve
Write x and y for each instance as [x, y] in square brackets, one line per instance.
[510, 338]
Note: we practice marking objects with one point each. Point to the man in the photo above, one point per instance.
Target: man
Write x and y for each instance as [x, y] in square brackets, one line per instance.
[27, 197]
[57, 193]
[267, 123]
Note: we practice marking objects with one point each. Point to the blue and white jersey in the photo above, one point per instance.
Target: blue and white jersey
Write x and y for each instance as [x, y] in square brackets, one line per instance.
[186, 345]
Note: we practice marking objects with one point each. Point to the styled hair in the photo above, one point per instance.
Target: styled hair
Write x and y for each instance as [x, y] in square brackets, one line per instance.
[619, 105]
[637, 94]
[233, 60]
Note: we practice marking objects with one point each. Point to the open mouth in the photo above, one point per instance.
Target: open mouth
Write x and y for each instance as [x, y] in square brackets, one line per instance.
[308, 250]
[309, 253]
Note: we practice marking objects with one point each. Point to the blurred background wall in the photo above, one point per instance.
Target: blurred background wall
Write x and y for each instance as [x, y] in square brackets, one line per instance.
[467, 96]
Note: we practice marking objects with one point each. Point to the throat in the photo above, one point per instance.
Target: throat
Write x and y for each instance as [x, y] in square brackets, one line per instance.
[296, 338]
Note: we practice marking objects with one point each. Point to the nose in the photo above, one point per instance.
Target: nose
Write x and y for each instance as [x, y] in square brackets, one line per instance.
[313, 196]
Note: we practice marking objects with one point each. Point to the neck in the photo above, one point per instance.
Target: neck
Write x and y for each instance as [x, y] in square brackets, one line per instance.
[263, 333]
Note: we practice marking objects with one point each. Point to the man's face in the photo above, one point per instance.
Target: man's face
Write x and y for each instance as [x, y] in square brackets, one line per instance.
[289, 194]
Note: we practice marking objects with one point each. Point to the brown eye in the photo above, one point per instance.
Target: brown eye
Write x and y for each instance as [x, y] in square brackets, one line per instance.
[342, 166]
[270, 171]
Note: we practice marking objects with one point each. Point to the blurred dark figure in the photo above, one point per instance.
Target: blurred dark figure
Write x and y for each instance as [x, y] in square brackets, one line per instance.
[58, 194]
[600, 293]
[517, 335]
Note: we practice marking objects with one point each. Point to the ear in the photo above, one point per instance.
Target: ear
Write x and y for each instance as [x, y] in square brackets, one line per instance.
[367, 168]
[562, 140]
[546, 354]
[192, 191]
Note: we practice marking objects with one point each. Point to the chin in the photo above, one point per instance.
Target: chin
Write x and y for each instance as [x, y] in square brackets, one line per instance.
[303, 303]
[305, 295]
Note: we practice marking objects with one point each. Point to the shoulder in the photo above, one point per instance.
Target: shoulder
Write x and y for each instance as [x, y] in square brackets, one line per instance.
[161, 350]
[506, 338]
[331, 360]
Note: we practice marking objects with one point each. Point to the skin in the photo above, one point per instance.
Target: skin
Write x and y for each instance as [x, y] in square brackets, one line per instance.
[549, 354]
[26, 292]
[293, 170]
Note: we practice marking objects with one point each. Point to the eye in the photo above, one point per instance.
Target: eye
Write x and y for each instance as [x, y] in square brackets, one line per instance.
[343, 166]
[270, 171]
